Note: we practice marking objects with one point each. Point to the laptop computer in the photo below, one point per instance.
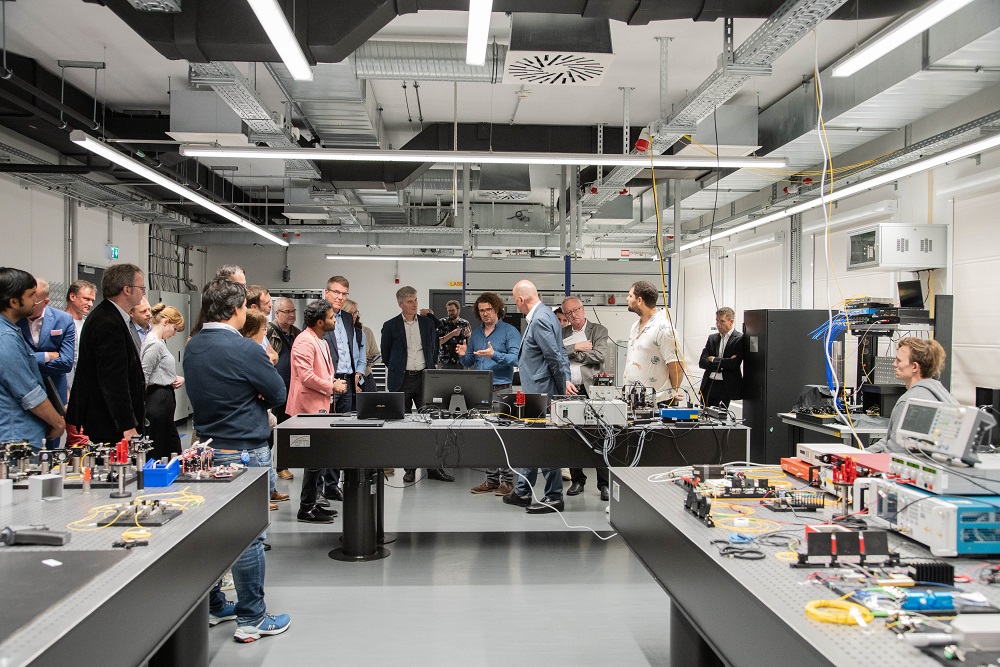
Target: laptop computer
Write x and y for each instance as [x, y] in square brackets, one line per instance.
[380, 405]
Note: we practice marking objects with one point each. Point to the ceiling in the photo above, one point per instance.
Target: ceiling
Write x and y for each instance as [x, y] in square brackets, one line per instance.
[136, 86]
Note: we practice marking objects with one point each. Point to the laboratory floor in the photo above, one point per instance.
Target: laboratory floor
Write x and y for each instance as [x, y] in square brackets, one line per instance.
[470, 581]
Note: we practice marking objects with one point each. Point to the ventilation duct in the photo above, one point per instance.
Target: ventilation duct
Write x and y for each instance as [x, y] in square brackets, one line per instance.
[553, 49]
[426, 61]
[504, 182]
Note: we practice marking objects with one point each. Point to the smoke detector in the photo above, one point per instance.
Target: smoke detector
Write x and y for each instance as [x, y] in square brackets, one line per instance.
[552, 49]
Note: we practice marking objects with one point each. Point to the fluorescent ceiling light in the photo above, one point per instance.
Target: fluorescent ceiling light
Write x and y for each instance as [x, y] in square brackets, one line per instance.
[306, 215]
[770, 238]
[880, 210]
[479, 31]
[273, 20]
[978, 182]
[108, 153]
[851, 190]
[395, 259]
[897, 34]
[483, 157]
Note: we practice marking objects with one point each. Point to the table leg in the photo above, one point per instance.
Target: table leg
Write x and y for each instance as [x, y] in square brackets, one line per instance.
[381, 536]
[188, 645]
[687, 647]
[360, 530]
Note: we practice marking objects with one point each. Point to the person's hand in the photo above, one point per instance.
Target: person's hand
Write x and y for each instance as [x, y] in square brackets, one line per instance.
[711, 359]
[583, 346]
[358, 377]
[51, 356]
[733, 357]
[178, 383]
[570, 388]
[127, 434]
[488, 352]
[272, 356]
[467, 332]
[461, 349]
[340, 386]
[56, 431]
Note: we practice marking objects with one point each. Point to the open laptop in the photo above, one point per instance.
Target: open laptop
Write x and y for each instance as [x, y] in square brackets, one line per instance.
[380, 405]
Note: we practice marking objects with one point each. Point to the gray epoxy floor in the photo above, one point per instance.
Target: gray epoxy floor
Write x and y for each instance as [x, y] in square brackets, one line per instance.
[470, 581]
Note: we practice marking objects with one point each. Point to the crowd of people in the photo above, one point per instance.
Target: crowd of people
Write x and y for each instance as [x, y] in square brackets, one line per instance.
[104, 372]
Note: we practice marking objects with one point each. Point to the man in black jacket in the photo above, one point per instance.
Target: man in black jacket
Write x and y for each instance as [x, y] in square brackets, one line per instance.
[108, 398]
[410, 345]
[721, 359]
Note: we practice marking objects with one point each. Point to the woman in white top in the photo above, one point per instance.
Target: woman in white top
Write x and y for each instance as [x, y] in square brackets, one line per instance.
[160, 369]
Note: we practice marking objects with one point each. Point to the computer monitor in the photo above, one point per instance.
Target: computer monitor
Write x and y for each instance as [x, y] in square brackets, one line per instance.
[535, 405]
[458, 391]
[911, 295]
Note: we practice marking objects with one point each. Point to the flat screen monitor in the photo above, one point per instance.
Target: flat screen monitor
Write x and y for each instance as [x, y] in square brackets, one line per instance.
[458, 391]
[535, 405]
[910, 294]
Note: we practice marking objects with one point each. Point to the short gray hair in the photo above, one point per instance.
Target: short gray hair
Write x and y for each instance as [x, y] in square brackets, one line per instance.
[404, 293]
[726, 312]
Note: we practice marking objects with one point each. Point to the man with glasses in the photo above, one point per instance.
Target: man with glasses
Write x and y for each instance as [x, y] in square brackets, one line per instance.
[493, 347]
[108, 398]
[281, 333]
[588, 347]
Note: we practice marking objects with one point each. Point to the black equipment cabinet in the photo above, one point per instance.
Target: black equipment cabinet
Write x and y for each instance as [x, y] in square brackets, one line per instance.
[780, 359]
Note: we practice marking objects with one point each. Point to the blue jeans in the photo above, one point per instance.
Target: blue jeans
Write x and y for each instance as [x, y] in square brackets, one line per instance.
[259, 457]
[248, 577]
[248, 570]
[553, 482]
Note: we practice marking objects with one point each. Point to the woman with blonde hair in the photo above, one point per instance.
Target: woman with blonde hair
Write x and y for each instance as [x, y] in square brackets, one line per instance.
[160, 369]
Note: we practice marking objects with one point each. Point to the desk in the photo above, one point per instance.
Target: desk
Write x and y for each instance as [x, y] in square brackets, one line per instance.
[147, 600]
[839, 431]
[313, 441]
[741, 612]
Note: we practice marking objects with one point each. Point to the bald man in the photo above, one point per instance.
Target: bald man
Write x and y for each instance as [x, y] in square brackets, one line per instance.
[544, 369]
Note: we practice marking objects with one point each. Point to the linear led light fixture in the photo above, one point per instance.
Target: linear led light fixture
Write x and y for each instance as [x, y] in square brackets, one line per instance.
[273, 20]
[482, 157]
[479, 31]
[851, 190]
[94, 146]
[881, 210]
[973, 184]
[897, 34]
[395, 259]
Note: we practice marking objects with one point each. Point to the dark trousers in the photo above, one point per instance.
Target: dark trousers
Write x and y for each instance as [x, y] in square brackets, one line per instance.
[160, 406]
[281, 416]
[413, 390]
[341, 403]
[580, 478]
[714, 393]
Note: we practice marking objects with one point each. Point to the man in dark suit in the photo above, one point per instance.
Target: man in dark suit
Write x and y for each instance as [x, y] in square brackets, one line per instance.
[721, 359]
[409, 345]
[109, 389]
[51, 335]
[544, 368]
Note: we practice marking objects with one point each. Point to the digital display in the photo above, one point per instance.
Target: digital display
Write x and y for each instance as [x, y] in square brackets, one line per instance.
[918, 419]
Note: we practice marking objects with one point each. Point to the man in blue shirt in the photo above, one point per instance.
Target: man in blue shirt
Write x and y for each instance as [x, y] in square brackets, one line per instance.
[51, 334]
[232, 385]
[493, 347]
[26, 414]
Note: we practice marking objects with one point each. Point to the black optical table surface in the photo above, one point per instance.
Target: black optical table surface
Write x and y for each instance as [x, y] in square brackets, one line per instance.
[327, 441]
[109, 606]
[752, 612]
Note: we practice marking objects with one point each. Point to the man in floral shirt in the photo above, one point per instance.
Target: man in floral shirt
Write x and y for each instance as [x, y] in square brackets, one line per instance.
[654, 358]
[452, 331]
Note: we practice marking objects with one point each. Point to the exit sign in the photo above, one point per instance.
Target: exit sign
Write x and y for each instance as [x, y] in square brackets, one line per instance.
[111, 252]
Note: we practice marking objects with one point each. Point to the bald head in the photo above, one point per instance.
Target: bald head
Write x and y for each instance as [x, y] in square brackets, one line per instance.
[42, 291]
[525, 296]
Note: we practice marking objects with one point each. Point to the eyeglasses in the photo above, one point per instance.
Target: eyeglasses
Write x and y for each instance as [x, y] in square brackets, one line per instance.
[337, 292]
[483, 311]
[288, 312]
[142, 287]
[570, 312]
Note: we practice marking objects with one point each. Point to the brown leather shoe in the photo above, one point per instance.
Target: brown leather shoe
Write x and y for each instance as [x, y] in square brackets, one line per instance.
[486, 487]
[278, 497]
[389, 472]
[286, 474]
[504, 489]
[273, 506]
